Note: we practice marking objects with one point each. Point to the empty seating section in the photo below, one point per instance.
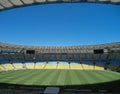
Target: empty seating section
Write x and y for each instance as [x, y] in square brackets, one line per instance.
[99, 65]
[59, 65]
[63, 62]
[99, 68]
[40, 65]
[75, 66]
[29, 65]
[3, 61]
[114, 64]
[50, 66]
[63, 65]
[1, 67]
[85, 66]
[8, 66]
[52, 62]
[18, 65]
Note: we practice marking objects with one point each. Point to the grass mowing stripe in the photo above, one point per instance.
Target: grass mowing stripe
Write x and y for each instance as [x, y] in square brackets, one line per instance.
[57, 77]
[49, 78]
[33, 74]
[34, 77]
[74, 78]
[5, 72]
[96, 76]
[43, 76]
[108, 75]
[25, 79]
[29, 80]
[99, 77]
[104, 76]
[68, 80]
[83, 76]
[16, 75]
[61, 78]
[8, 74]
[54, 80]
[117, 74]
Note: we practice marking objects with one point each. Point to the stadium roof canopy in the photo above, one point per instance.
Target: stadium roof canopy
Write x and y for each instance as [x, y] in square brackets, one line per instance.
[101, 52]
[110, 46]
[8, 4]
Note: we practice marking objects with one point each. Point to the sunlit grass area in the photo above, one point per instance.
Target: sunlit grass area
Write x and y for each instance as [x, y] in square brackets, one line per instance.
[58, 77]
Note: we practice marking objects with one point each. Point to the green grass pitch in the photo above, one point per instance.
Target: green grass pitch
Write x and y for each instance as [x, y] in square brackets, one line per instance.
[57, 77]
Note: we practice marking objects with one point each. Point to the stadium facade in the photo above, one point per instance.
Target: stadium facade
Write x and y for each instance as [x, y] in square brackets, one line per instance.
[8, 4]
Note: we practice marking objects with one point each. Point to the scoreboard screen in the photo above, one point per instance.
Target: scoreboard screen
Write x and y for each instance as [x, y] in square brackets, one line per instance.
[30, 51]
[98, 51]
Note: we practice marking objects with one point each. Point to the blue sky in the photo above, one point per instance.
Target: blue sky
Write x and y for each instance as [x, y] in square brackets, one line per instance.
[61, 24]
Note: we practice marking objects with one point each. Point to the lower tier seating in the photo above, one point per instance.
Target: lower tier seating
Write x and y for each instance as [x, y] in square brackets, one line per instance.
[39, 65]
[76, 66]
[8, 66]
[85, 66]
[18, 65]
[29, 65]
[98, 68]
[51, 66]
[63, 66]
[1, 67]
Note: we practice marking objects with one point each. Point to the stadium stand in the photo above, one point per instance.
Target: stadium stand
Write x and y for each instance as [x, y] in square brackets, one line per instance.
[29, 65]
[64, 58]
[50, 66]
[85, 66]
[8, 66]
[99, 68]
[1, 67]
[18, 65]
[114, 64]
[63, 65]
[76, 66]
[40, 65]
[12, 55]
[71, 61]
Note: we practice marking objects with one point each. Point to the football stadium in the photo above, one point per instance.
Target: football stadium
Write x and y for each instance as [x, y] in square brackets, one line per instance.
[87, 69]
[67, 70]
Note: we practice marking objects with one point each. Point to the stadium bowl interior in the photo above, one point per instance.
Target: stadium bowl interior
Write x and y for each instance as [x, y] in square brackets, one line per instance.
[88, 69]
[91, 68]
